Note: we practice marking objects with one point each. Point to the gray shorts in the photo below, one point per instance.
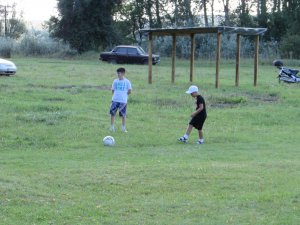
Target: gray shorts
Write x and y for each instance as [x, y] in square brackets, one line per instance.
[115, 106]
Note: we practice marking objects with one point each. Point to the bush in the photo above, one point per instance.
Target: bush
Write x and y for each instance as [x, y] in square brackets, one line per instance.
[38, 43]
[6, 47]
[206, 44]
[290, 46]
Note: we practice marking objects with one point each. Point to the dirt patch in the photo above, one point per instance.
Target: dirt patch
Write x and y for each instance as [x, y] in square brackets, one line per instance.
[54, 99]
[101, 87]
[266, 98]
[70, 86]
[237, 100]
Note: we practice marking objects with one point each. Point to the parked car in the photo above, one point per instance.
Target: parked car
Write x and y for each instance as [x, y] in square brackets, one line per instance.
[128, 54]
[7, 67]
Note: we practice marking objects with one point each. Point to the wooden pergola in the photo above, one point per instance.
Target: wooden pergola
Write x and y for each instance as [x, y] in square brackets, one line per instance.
[191, 31]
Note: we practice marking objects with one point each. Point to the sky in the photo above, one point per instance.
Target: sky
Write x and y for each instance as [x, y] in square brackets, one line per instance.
[34, 10]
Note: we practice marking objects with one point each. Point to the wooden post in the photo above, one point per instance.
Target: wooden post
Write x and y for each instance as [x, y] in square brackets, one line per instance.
[173, 58]
[150, 50]
[256, 59]
[218, 56]
[237, 65]
[192, 57]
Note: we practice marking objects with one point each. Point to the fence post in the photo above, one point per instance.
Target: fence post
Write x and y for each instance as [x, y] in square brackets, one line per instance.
[256, 59]
[218, 56]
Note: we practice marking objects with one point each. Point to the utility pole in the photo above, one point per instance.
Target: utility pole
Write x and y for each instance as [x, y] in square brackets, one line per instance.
[5, 12]
[5, 21]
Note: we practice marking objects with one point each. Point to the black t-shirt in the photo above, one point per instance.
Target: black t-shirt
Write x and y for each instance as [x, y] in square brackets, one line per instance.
[200, 100]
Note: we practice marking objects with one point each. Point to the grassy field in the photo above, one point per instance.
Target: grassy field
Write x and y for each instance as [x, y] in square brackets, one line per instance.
[54, 168]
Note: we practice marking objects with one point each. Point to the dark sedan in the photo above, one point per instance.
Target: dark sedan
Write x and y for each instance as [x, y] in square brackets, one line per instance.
[128, 54]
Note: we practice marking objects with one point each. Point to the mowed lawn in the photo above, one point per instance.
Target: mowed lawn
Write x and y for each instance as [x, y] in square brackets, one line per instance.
[54, 168]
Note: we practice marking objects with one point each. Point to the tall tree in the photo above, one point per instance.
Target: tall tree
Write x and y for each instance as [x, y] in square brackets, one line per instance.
[157, 13]
[291, 13]
[262, 14]
[212, 7]
[226, 12]
[244, 14]
[11, 25]
[204, 5]
[85, 24]
[181, 15]
[276, 6]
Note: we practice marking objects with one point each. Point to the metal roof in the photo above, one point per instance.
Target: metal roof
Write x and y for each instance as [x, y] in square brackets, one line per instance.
[197, 30]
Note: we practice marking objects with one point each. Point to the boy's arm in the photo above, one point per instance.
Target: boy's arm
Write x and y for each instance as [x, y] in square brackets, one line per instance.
[129, 88]
[113, 87]
[198, 110]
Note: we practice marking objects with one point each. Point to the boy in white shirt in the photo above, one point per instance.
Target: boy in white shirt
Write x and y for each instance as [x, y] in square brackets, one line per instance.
[121, 88]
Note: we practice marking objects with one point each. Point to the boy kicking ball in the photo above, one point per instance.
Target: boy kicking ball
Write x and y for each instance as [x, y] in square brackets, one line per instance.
[198, 116]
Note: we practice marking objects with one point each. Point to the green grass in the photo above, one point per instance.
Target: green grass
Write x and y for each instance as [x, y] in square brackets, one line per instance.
[54, 168]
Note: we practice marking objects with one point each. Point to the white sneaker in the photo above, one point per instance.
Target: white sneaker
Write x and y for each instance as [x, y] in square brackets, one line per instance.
[112, 129]
[124, 130]
[200, 142]
[182, 139]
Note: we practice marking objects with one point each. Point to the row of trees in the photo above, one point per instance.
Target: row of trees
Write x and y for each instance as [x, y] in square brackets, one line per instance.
[97, 25]
[91, 24]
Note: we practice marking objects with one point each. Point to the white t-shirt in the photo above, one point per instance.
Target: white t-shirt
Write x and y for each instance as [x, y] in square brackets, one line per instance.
[120, 88]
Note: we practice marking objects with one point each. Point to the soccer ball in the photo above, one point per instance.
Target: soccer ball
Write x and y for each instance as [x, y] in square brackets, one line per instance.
[108, 141]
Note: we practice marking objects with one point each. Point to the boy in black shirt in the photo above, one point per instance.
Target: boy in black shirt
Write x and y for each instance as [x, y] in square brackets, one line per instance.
[198, 116]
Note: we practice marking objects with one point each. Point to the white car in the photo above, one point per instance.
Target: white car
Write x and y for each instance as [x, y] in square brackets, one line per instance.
[7, 67]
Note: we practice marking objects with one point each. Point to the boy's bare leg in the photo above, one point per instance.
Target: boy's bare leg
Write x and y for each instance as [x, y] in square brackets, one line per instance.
[187, 134]
[112, 123]
[200, 134]
[201, 140]
[189, 129]
[123, 123]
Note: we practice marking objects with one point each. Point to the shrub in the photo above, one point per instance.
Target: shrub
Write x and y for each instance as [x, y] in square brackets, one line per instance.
[290, 46]
[37, 43]
[6, 47]
[205, 47]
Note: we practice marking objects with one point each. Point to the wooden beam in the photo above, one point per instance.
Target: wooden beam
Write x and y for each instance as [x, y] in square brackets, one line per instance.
[256, 59]
[192, 60]
[237, 63]
[218, 56]
[150, 50]
[204, 30]
[173, 58]
[182, 31]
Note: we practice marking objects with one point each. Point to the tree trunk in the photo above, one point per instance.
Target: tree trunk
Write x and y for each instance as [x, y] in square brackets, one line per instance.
[149, 13]
[157, 11]
[226, 12]
[212, 12]
[204, 3]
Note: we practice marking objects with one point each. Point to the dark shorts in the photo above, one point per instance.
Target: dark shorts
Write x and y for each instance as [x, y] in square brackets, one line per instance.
[197, 122]
[115, 106]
